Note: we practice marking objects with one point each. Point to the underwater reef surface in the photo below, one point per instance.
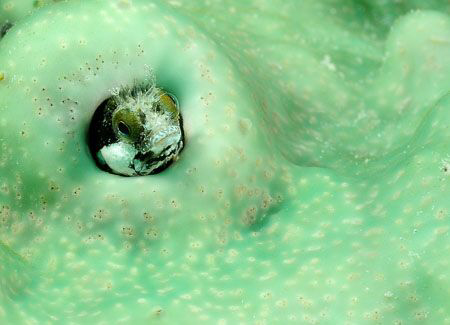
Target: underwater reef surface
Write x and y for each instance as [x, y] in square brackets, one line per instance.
[313, 187]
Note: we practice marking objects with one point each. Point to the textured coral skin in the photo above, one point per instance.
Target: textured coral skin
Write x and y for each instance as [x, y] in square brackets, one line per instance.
[313, 187]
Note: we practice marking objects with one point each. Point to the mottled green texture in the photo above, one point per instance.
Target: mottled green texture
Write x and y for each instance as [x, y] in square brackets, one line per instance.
[14, 10]
[314, 186]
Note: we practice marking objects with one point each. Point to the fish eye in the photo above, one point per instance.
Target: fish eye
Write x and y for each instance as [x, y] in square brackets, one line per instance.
[170, 103]
[126, 125]
[123, 128]
[173, 98]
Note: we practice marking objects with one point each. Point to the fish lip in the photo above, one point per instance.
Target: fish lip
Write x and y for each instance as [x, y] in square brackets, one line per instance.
[147, 146]
[142, 162]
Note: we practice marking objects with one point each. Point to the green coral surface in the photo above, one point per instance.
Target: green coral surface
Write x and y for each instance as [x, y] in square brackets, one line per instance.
[313, 188]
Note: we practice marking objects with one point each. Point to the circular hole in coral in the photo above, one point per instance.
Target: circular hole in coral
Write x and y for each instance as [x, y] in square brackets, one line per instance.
[136, 132]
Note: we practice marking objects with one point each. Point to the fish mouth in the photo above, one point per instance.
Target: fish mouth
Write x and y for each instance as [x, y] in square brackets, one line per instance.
[159, 141]
[151, 163]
